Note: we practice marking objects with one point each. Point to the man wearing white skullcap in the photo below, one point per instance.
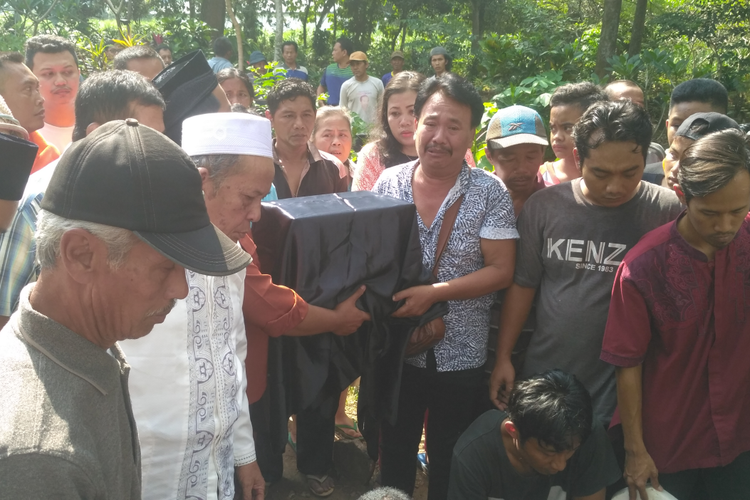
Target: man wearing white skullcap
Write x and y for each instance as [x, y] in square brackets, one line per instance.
[187, 380]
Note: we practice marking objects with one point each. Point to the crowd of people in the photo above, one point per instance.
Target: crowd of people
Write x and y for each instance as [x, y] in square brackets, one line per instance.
[140, 328]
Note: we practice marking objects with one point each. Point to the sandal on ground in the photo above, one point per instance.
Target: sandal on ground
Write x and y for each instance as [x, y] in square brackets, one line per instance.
[341, 430]
[320, 486]
[292, 444]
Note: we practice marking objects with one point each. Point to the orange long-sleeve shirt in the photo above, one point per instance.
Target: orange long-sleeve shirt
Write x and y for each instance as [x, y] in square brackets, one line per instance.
[47, 152]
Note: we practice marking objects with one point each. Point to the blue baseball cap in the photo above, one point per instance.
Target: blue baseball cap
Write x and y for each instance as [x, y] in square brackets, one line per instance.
[256, 56]
[516, 125]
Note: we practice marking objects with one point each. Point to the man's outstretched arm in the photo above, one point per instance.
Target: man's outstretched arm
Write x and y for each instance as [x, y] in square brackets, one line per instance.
[516, 307]
[639, 466]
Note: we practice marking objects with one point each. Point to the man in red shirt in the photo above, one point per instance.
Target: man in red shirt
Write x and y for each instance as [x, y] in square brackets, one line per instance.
[678, 334]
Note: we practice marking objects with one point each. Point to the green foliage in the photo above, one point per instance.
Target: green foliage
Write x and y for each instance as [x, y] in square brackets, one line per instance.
[91, 54]
[264, 82]
[515, 51]
[184, 34]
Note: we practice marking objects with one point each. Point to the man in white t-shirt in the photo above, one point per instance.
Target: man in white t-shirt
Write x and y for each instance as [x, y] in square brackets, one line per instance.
[53, 61]
[362, 92]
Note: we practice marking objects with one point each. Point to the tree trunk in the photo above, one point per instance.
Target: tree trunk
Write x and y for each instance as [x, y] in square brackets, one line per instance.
[238, 34]
[608, 40]
[403, 38]
[395, 38]
[213, 13]
[477, 7]
[324, 13]
[335, 20]
[191, 4]
[639, 26]
[304, 24]
[279, 29]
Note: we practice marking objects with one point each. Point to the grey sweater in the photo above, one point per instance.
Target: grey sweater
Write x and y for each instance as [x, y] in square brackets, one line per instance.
[66, 425]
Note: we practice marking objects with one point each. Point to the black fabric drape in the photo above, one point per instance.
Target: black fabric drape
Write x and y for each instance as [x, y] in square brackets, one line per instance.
[325, 247]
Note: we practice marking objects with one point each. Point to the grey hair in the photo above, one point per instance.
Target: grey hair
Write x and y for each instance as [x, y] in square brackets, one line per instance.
[385, 493]
[219, 166]
[50, 229]
[329, 111]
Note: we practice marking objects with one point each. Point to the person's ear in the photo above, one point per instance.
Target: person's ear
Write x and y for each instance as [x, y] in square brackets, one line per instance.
[207, 185]
[488, 153]
[511, 429]
[81, 255]
[269, 116]
[577, 159]
[92, 126]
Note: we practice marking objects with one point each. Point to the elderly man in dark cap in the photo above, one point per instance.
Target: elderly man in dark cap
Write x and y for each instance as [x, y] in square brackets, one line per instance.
[104, 96]
[119, 226]
[190, 88]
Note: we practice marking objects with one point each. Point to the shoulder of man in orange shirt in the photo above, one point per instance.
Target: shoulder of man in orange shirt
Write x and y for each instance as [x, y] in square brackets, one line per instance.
[47, 152]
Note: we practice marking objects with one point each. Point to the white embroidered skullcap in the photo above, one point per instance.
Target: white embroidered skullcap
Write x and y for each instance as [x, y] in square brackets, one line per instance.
[227, 133]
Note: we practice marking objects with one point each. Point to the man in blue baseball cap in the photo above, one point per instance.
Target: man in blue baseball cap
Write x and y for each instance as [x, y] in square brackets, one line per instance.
[516, 140]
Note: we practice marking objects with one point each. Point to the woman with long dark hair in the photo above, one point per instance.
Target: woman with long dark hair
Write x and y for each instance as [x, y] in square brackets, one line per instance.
[393, 139]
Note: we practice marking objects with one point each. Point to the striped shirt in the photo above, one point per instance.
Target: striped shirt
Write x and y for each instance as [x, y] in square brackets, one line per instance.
[18, 265]
[332, 80]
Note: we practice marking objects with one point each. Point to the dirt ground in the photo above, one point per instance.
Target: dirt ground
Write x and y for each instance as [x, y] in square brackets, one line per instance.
[293, 484]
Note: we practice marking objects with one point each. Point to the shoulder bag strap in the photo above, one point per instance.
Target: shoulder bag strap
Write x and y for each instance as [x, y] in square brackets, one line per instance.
[446, 228]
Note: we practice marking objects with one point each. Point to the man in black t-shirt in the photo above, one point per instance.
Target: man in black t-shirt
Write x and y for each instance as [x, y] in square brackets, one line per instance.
[546, 446]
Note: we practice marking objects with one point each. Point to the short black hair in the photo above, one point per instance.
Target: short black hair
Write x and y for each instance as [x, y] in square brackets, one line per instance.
[8, 57]
[711, 162]
[554, 407]
[292, 43]
[701, 90]
[135, 52]
[291, 88]
[229, 73]
[612, 121]
[453, 86]
[162, 46]
[222, 45]
[345, 44]
[584, 94]
[48, 44]
[110, 95]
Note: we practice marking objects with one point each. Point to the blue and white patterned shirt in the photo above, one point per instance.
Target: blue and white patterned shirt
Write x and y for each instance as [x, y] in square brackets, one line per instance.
[486, 213]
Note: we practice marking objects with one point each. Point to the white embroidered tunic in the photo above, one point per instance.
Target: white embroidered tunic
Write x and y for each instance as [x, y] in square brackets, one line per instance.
[187, 384]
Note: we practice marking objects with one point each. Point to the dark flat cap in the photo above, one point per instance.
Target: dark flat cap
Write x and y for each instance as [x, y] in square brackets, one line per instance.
[16, 159]
[701, 124]
[127, 175]
[186, 85]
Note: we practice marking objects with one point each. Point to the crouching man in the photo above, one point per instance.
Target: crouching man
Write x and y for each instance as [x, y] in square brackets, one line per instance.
[545, 446]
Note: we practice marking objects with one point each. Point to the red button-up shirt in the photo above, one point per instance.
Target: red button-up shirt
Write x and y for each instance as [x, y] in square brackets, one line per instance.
[686, 320]
[269, 310]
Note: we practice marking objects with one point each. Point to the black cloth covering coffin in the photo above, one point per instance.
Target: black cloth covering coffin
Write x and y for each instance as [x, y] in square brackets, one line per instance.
[324, 247]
